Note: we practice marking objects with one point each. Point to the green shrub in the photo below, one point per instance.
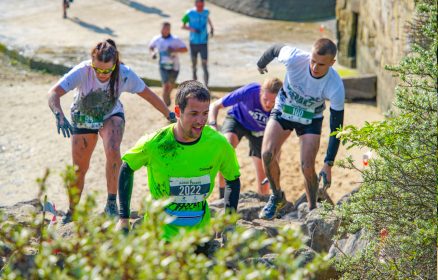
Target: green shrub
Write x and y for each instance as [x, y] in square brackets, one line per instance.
[399, 188]
[95, 250]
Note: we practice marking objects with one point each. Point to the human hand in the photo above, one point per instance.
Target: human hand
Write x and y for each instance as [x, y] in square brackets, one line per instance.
[263, 70]
[63, 125]
[123, 225]
[212, 32]
[326, 175]
[154, 56]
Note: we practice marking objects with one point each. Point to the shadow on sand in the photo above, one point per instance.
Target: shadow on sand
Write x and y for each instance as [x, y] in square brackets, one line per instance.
[142, 8]
[92, 27]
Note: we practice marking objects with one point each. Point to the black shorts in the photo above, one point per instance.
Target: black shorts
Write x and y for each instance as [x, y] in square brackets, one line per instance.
[301, 129]
[76, 130]
[255, 143]
[199, 48]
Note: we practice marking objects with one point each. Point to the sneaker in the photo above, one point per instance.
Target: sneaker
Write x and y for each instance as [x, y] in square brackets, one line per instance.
[111, 208]
[273, 208]
[67, 218]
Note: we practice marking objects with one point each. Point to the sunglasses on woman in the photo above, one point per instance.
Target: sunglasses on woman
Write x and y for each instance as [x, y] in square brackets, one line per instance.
[103, 71]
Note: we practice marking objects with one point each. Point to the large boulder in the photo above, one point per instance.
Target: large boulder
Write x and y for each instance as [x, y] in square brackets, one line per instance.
[321, 230]
[350, 245]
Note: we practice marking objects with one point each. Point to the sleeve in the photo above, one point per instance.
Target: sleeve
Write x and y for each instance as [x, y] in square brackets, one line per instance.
[240, 94]
[73, 78]
[137, 156]
[269, 55]
[286, 53]
[185, 18]
[153, 43]
[229, 166]
[133, 83]
[337, 96]
[336, 121]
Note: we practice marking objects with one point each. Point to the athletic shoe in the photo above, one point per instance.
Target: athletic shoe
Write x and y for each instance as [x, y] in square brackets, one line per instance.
[111, 208]
[67, 218]
[273, 208]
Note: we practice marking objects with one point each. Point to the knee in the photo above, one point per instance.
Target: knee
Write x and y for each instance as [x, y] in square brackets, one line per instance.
[308, 169]
[81, 169]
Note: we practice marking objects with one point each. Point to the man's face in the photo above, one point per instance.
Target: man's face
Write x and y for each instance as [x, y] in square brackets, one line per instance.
[267, 99]
[165, 30]
[320, 64]
[199, 5]
[192, 121]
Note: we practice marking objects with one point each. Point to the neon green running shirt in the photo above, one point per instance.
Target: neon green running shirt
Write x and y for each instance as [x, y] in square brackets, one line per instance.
[185, 172]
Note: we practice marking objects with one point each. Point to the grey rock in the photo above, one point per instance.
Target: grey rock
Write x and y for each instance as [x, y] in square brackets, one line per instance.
[304, 255]
[268, 260]
[320, 230]
[350, 246]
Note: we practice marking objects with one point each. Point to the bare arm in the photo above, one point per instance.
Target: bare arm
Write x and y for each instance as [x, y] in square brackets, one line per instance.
[55, 94]
[211, 26]
[214, 110]
[62, 123]
[187, 27]
[153, 52]
[155, 101]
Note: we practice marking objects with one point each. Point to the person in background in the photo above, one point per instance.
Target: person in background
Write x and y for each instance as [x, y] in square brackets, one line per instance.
[195, 20]
[251, 107]
[167, 46]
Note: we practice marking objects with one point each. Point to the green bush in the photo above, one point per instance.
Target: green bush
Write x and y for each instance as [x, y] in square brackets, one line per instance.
[95, 250]
[399, 189]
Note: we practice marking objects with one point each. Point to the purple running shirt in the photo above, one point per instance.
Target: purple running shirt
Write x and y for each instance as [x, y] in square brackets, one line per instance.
[247, 109]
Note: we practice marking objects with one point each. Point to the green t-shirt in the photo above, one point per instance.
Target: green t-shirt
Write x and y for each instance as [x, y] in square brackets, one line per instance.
[184, 172]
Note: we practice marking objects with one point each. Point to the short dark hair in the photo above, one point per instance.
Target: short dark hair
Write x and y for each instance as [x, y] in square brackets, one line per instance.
[191, 89]
[166, 23]
[325, 46]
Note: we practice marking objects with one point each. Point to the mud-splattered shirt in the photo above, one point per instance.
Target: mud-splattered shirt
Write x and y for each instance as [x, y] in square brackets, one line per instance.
[92, 96]
[184, 172]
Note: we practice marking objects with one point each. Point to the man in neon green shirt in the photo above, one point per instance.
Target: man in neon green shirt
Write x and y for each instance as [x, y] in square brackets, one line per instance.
[182, 161]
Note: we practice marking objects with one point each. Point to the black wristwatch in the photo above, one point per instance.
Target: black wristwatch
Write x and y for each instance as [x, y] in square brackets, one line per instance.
[330, 162]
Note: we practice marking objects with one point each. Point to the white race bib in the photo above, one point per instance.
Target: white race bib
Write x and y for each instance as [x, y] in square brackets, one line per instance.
[189, 190]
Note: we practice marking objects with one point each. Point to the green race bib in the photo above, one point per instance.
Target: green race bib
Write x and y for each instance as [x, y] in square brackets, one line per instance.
[297, 114]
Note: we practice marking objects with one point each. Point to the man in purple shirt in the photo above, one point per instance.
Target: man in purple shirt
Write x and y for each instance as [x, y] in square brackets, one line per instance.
[252, 105]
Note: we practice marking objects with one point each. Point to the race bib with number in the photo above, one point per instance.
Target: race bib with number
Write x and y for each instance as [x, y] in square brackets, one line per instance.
[297, 114]
[166, 60]
[188, 191]
[81, 120]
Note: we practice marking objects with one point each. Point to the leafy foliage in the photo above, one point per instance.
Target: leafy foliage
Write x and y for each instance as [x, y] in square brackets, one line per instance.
[91, 248]
[399, 190]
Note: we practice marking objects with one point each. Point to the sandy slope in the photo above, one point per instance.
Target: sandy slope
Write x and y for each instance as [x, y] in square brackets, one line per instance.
[29, 143]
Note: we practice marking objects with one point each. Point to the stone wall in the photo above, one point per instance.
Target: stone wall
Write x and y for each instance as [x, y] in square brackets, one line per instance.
[372, 34]
[294, 10]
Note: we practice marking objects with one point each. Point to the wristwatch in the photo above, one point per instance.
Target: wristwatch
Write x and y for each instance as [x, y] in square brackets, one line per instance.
[212, 123]
[171, 117]
[330, 162]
